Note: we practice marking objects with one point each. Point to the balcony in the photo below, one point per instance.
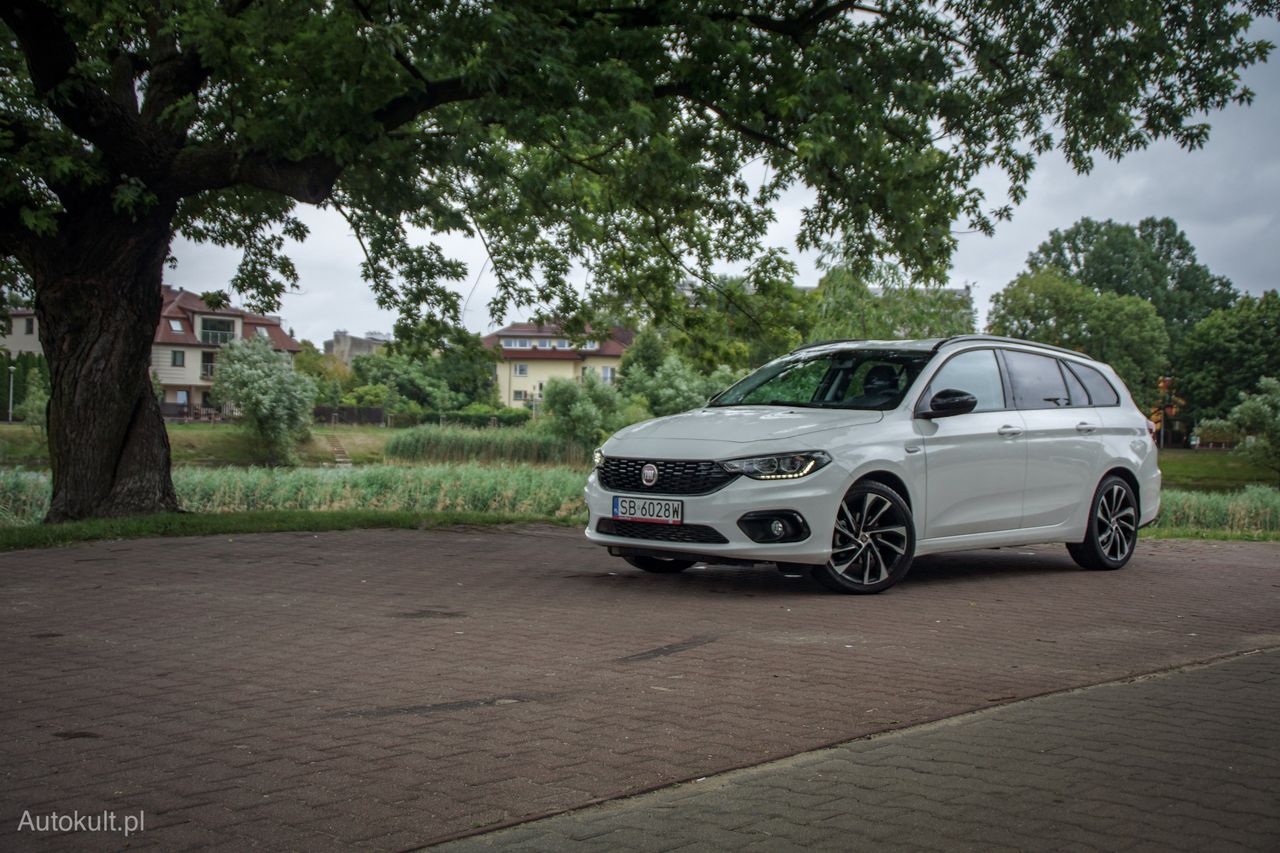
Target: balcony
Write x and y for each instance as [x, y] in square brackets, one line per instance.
[211, 337]
[206, 371]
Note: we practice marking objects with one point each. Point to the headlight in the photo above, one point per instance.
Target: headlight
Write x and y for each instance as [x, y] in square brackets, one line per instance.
[597, 458]
[786, 466]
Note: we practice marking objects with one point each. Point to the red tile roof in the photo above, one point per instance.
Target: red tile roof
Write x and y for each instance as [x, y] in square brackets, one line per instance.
[615, 345]
[183, 306]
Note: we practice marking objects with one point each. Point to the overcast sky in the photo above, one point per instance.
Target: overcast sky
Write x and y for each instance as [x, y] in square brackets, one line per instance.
[1226, 197]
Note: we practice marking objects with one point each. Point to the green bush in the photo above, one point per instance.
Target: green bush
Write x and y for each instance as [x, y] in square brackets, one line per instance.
[467, 444]
[1256, 508]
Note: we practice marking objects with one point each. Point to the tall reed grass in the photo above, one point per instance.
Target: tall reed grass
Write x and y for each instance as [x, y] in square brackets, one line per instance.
[516, 490]
[467, 444]
[526, 490]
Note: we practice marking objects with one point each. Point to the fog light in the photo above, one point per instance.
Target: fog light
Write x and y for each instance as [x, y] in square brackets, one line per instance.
[770, 526]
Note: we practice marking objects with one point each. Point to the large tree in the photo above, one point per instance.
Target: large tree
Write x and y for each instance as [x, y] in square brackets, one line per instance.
[1227, 353]
[1154, 261]
[1123, 331]
[885, 304]
[606, 135]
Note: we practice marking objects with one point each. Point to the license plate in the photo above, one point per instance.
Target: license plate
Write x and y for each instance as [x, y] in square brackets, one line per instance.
[648, 509]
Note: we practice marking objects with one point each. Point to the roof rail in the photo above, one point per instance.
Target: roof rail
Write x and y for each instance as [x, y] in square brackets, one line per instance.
[1007, 340]
[831, 341]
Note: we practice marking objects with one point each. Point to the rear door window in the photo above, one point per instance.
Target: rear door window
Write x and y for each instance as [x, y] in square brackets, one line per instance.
[1037, 381]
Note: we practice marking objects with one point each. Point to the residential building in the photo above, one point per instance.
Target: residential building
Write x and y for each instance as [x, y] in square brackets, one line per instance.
[23, 332]
[185, 350]
[344, 346]
[533, 354]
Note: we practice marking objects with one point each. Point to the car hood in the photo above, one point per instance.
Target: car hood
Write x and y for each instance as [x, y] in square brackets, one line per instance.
[716, 432]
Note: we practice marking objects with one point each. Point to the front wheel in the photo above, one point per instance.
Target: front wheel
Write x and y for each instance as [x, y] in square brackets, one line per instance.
[1112, 533]
[659, 565]
[873, 542]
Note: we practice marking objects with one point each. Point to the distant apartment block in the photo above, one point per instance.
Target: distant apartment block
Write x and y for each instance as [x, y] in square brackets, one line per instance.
[533, 354]
[344, 346]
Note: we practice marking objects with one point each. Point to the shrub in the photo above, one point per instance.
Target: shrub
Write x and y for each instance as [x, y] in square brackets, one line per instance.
[465, 444]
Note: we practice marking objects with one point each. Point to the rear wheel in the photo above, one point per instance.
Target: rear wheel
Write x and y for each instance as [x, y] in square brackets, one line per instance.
[873, 542]
[659, 565]
[1112, 533]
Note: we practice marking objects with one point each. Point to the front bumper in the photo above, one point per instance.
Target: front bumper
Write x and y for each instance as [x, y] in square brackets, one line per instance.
[814, 497]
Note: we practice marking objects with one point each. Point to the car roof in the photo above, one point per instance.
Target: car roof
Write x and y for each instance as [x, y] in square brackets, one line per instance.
[931, 345]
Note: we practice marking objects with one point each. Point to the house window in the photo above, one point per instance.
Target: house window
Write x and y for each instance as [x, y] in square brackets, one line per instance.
[591, 345]
[206, 400]
[206, 364]
[606, 374]
[517, 395]
[31, 325]
[515, 343]
[521, 369]
[177, 358]
[215, 330]
[262, 332]
[175, 326]
[182, 397]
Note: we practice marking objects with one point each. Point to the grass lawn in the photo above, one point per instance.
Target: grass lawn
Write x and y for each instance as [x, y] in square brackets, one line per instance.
[260, 521]
[1209, 470]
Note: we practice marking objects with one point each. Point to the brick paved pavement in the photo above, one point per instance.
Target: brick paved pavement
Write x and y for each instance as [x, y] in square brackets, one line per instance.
[384, 689]
[1183, 761]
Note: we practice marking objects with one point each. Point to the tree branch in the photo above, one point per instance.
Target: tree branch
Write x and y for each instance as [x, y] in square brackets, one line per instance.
[82, 106]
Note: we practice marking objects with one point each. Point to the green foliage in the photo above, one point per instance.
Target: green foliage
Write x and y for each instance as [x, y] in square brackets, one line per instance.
[745, 321]
[582, 414]
[24, 365]
[273, 400]
[367, 396]
[885, 305]
[1226, 353]
[1256, 421]
[579, 131]
[431, 443]
[404, 378]
[676, 386]
[1123, 331]
[1153, 261]
[33, 410]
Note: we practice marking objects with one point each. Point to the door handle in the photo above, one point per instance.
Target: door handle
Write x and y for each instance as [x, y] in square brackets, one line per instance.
[1086, 428]
[1009, 431]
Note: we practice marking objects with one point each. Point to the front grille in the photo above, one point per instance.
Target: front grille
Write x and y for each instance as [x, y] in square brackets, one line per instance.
[675, 477]
[660, 532]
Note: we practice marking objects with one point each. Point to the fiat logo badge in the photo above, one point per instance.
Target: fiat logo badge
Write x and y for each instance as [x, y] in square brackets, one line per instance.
[649, 474]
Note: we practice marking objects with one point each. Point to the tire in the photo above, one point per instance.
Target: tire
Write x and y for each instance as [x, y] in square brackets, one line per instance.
[873, 541]
[659, 565]
[1112, 532]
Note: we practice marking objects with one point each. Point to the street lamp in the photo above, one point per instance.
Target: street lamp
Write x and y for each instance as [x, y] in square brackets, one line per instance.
[12, 370]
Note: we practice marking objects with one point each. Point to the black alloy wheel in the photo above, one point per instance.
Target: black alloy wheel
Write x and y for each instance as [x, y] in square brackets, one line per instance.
[873, 542]
[1112, 532]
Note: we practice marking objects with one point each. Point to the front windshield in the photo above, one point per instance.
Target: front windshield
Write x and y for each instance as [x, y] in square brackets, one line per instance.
[852, 379]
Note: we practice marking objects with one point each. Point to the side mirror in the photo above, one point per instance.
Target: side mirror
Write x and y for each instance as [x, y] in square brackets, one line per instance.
[949, 402]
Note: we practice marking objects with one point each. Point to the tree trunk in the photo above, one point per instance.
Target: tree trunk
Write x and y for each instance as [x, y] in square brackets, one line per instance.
[98, 304]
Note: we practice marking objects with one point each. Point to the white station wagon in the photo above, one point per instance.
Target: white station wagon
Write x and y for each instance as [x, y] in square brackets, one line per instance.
[851, 458]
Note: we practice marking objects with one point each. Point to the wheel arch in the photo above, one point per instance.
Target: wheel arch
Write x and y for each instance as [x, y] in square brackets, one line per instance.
[890, 479]
[1128, 476]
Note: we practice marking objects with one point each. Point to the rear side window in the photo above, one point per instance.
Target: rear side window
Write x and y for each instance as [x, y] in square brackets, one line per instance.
[1079, 397]
[974, 373]
[1037, 381]
[1100, 391]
